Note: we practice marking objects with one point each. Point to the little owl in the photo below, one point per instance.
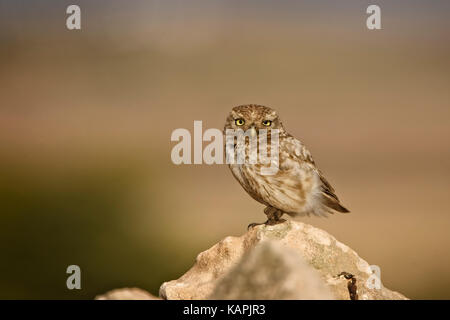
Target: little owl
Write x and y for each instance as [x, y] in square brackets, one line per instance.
[298, 187]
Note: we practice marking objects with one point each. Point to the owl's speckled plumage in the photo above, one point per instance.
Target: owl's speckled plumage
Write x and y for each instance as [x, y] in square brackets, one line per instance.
[298, 188]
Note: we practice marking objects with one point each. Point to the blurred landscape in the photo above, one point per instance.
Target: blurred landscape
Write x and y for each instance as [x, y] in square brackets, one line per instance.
[86, 117]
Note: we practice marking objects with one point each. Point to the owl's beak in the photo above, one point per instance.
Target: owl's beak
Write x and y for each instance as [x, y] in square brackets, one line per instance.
[253, 132]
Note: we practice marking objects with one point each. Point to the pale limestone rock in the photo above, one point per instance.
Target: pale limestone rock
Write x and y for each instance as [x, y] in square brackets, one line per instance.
[316, 247]
[273, 272]
[127, 294]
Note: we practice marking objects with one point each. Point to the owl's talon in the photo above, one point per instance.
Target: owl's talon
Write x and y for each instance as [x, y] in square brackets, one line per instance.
[271, 222]
[254, 224]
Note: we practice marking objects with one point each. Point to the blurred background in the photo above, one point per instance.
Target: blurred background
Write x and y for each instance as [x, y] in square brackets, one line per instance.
[86, 117]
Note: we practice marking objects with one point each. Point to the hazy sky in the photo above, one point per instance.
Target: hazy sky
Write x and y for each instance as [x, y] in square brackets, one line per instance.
[15, 15]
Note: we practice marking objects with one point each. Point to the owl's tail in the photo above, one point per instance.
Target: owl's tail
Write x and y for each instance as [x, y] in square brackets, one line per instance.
[326, 201]
[321, 205]
[322, 202]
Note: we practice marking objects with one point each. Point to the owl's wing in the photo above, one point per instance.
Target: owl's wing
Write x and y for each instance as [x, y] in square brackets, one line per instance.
[329, 198]
[298, 151]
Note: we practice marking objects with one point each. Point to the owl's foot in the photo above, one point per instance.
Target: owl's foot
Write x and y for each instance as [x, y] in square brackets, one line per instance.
[274, 222]
[269, 222]
[273, 215]
[273, 218]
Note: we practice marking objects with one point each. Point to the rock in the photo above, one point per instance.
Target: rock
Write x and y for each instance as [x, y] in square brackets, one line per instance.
[127, 294]
[274, 272]
[219, 268]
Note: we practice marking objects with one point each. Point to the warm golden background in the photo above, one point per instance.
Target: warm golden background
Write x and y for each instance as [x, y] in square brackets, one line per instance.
[86, 117]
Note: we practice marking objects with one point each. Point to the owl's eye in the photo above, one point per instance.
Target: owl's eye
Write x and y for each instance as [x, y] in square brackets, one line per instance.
[239, 122]
[267, 123]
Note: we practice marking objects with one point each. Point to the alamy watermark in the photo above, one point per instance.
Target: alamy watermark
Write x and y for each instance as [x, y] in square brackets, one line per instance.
[373, 21]
[253, 146]
[374, 280]
[74, 280]
[73, 22]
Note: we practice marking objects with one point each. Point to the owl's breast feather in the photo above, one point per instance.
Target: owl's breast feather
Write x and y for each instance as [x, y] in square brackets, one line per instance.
[288, 190]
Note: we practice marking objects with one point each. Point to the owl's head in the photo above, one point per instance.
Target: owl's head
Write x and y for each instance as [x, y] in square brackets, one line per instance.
[252, 115]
